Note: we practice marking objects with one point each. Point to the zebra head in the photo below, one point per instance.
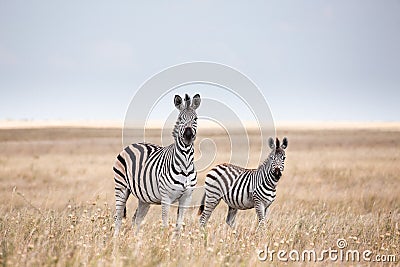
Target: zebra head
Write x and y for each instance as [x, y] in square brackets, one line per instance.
[186, 125]
[277, 156]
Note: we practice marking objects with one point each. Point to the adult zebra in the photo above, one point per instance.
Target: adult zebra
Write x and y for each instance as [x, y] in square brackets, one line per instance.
[159, 175]
[244, 188]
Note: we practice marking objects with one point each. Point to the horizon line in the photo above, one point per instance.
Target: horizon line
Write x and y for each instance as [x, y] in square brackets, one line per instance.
[157, 124]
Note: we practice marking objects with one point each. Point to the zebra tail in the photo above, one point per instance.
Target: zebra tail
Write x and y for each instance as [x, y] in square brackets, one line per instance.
[201, 208]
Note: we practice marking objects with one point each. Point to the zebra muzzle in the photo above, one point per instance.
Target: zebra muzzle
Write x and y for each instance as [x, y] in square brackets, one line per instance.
[277, 172]
[188, 134]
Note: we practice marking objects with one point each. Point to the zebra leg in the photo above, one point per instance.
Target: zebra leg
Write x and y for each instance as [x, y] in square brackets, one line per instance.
[230, 219]
[165, 203]
[209, 206]
[121, 196]
[134, 218]
[260, 211]
[265, 213]
[140, 213]
[184, 202]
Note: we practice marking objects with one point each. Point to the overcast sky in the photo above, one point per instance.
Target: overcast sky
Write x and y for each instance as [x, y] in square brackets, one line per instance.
[313, 60]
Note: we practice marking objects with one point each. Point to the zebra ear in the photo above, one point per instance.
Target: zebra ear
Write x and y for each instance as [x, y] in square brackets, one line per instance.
[178, 102]
[284, 143]
[271, 143]
[196, 101]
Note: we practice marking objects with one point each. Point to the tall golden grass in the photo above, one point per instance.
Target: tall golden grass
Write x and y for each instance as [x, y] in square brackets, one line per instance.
[57, 201]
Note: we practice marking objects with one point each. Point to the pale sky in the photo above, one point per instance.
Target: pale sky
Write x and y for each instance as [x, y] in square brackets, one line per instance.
[313, 60]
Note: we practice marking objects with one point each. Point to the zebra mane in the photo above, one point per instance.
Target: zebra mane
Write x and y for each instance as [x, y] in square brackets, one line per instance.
[175, 130]
[187, 101]
[264, 164]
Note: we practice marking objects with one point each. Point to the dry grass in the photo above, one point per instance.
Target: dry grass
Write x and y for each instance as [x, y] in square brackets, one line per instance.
[57, 202]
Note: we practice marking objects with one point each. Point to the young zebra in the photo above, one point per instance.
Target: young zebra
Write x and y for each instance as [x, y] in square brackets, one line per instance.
[244, 188]
[159, 175]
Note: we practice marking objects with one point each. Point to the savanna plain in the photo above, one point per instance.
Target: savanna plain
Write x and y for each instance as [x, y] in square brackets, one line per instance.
[57, 201]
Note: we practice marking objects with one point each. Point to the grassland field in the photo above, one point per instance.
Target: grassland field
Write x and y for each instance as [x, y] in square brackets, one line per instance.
[57, 201]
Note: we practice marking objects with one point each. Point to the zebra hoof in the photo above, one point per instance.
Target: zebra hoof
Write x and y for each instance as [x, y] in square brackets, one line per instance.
[176, 234]
[180, 227]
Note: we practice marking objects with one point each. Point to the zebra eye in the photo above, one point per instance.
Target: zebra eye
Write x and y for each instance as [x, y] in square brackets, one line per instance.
[284, 157]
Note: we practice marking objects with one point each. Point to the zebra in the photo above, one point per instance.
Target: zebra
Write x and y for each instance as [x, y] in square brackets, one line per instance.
[156, 174]
[242, 188]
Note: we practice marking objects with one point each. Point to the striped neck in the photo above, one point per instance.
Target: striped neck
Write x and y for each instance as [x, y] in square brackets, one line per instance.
[266, 176]
[183, 155]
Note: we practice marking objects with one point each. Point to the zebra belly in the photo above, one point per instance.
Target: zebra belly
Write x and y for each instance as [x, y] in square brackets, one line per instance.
[248, 204]
[242, 202]
[146, 188]
[176, 192]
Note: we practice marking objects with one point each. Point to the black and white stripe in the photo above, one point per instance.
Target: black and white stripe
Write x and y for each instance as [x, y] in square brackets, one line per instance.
[244, 188]
[159, 175]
